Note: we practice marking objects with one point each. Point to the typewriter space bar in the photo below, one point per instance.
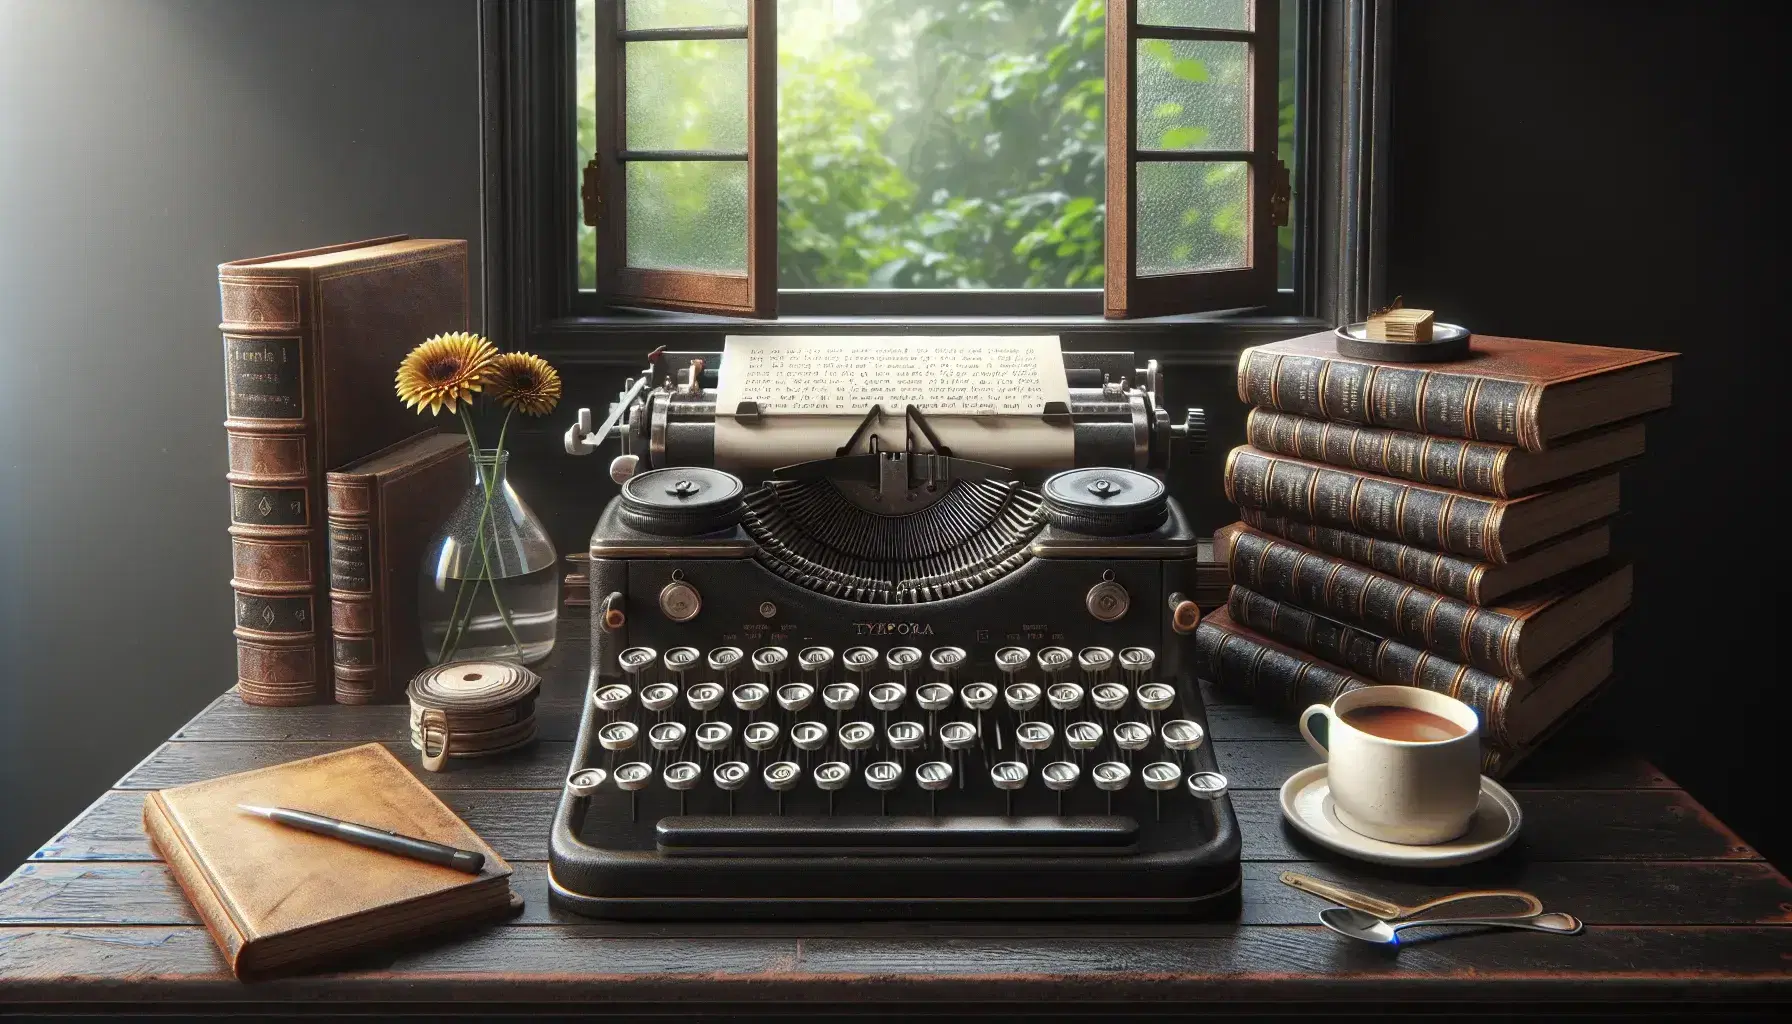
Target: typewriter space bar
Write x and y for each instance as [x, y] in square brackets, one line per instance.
[870, 835]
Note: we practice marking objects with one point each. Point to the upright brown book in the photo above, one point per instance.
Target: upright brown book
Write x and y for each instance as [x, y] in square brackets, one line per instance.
[1512, 390]
[382, 511]
[1512, 640]
[311, 342]
[1486, 529]
[276, 898]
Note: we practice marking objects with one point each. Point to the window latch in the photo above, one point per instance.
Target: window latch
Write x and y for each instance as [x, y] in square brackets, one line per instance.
[591, 197]
[1280, 193]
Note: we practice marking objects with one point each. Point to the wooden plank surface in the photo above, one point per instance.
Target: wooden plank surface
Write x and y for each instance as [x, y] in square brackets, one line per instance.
[1677, 906]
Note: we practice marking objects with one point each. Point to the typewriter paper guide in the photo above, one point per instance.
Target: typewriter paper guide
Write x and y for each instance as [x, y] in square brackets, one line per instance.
[983, 395]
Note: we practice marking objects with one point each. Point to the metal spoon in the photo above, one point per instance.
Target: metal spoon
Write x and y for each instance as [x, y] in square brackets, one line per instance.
[1369, 928]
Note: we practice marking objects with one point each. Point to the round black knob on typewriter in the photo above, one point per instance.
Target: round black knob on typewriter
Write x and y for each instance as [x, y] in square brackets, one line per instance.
[682, 501]
[1106, 501]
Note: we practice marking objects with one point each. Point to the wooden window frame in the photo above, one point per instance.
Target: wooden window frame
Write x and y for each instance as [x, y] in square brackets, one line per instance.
[529, 202]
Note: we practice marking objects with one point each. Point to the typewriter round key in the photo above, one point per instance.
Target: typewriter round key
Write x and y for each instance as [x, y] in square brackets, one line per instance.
[933, 776]
[770, 661]
[978, 696]
[618, 735]
[680, 660]
[724, 660]
[1053, 660]
[659, 696]
[586, 781]
[1207, 785]
[831, 776]
[714, 735]
[1034, 735]
[760, 736]
[1013, 659]
[857, 735]
[934, 696]
[633, 776]
[1109, 696]
[883, 776]
[817, 660]
[888, 696]
[636, 660]
[681, 776]
[1060, 775]
[1021, 696]
[1111, 776]
[1082, 735]
[1064, 696]
[945, 660]
[859, 660]
[731, 775]
[1160, 775]
[1136, 661]
[903, 660]
[1183, 734]
[782, 775]
[808, 735]
[958, 735]
[666, 736]
[1008, 775]
[750, 696]
[611, 696]
[905, 735]
[703, 696]
[840, 696]
[795, 696]
[1095, 661]
[1156, 696]
[1132, 735]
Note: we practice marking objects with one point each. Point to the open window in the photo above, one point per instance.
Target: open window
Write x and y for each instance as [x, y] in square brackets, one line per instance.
[1194, 186]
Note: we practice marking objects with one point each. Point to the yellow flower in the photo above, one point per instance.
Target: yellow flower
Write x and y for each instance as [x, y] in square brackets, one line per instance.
[443, 372]
[525, 382]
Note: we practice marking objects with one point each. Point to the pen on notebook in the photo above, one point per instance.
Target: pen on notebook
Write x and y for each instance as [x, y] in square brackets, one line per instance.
[469, 861]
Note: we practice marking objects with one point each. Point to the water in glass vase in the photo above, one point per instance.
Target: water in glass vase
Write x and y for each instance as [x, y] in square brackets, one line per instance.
[488, 586]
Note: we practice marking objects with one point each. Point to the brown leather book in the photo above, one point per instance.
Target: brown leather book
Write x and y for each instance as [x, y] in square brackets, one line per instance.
[1479, 467]
[1512, 390]
[1283, 679]
[382, 511]
[311, 343]
[1486, 529]
[277, 899]
[1462, 578]
[1512, 640]
[1397, 664]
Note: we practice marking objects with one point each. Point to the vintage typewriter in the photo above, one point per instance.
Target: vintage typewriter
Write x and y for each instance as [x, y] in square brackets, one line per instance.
[893, 662]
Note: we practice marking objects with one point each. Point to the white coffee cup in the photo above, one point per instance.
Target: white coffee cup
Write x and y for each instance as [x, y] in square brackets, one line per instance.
[1413, 792]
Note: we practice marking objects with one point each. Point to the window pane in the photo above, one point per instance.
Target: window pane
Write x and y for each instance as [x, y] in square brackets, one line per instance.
[1192, 95]
[688, 94]
[585, 98]
[683, 13]
[942, 144]
[1191, 216]
[688, 215]
[1195, 13]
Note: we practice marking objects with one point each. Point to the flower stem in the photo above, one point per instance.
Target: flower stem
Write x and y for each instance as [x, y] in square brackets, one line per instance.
[488, 484]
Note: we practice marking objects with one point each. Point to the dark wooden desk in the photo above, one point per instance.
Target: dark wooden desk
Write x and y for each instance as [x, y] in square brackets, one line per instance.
[1678, 909]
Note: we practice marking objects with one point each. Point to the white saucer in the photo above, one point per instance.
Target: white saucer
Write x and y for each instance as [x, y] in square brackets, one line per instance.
[1307, 804]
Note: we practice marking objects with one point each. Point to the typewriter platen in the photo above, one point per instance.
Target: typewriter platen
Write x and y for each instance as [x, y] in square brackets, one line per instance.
[898, 680]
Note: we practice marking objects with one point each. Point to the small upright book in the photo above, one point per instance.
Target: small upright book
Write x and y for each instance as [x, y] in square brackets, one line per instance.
[383, 511]
[277, 899]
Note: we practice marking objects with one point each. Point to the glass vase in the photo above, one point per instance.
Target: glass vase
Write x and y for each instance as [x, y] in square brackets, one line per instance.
[487, 587]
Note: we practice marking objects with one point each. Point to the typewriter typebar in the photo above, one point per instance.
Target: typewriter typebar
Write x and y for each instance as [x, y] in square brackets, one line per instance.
[919, 686]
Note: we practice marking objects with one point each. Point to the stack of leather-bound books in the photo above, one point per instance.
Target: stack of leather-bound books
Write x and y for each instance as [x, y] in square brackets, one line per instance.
[1441, 525]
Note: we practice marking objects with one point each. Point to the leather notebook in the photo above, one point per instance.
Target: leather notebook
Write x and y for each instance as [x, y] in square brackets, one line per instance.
[276, 898]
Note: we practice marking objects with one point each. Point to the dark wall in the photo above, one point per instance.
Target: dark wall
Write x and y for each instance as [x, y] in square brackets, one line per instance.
[1598, 172]
[142, 142]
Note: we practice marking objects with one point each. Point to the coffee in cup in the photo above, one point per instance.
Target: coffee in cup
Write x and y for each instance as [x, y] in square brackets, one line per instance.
[1403, 764]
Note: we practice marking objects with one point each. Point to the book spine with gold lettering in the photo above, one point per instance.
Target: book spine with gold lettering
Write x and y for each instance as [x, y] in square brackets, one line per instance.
[1440, 520]
[277, 552]
[1460, 578]
[1475, 466]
